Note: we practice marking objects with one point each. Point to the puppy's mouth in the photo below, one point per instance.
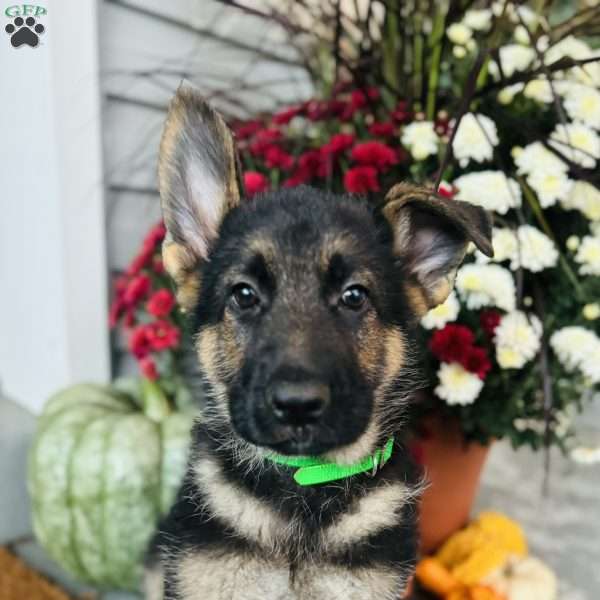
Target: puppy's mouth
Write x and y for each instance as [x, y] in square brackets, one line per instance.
[295, 441]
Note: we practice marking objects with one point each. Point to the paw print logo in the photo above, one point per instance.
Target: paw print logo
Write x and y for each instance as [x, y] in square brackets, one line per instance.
[24, 32]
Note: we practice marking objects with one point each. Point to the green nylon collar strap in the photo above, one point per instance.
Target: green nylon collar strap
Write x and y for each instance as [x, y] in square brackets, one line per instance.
[314, 470]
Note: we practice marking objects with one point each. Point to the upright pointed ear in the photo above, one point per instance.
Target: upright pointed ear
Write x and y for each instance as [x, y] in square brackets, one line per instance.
[431, 235]
[199, 183]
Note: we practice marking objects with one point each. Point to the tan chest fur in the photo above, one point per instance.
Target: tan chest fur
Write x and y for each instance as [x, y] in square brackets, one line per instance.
[223, 574]
[206, 576]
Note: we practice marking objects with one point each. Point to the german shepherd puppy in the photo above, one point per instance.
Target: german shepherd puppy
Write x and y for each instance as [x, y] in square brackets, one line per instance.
[304, 307]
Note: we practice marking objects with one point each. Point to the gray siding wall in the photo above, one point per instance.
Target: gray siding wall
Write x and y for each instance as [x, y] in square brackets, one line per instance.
[146, 49]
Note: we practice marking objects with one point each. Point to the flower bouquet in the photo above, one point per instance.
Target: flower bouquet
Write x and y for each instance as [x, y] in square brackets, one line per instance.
[144, 312]
[497, 104]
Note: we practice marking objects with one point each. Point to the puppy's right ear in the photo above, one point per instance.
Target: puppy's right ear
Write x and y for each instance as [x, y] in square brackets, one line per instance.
[199, 184]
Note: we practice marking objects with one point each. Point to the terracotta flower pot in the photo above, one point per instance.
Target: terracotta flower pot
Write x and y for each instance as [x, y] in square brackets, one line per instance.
[453, 469]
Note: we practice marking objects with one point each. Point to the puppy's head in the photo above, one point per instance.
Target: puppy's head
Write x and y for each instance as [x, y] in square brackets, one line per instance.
[304, 303]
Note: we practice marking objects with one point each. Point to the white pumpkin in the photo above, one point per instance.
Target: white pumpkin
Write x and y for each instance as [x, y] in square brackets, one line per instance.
[525, 578]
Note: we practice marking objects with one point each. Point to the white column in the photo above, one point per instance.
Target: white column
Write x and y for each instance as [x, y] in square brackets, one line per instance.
[53, 274]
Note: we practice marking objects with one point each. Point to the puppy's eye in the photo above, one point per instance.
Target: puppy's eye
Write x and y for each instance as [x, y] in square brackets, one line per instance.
[354, 297]
[245, 296]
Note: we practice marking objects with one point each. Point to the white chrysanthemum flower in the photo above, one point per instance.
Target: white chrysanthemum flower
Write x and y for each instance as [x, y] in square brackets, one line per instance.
[444, 313]
[550, 187]
[535, 425]
[505, 244]
[572, 243]
[578, 348]
[506, 95]
[486, 285]
[586, 455]
[479, 20]
[459, 33]
[582, 103]
[590, 365]
[459, 52]
[457, 385]
[517, 339]
[491, 190]
[579, 143]
[539, 90]
[588, 255]
[528, 16]
[475, 139]
[536, 158]
[504, 241]
[577, 49]
[585, 198]
[591, 311]
[420, 137]
[521, 35]
[535, 250]
[527, 247]
[513, 58]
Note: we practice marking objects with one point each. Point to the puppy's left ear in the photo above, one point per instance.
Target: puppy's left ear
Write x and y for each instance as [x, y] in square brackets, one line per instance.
[431, 235]
[199, 184]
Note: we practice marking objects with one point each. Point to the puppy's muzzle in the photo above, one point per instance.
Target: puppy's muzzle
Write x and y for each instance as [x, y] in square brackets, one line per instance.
[298, 403]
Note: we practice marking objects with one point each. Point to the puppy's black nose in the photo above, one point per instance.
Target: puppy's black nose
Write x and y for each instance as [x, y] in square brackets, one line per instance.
[299, 403]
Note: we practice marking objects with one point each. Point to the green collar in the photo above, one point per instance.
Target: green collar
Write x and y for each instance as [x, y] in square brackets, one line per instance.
[314, 470]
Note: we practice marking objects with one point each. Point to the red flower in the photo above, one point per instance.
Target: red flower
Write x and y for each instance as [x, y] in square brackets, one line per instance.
[141, 260]
[139, 343]
[255, 183]
[248, 129]
[115, 312]
[342, 87]
[376, 154]
[161, 303]
[360, 180]
[382, 129]
[162, 335]
[317, 110]
[337, 144]
[148, 368]
[120, 284]
[452, 343]
[129, 319]
[157, 265]
[477, 361]
[446, 190]
[264, 140]
[310, 162]
[285, 116]
[489, 320]
[298, 177]
[276, 158]
[137, 289]
[359, 99]
[313, 163]
[402, 112]
[155, 236]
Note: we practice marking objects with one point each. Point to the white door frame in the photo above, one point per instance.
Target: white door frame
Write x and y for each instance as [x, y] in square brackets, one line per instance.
[53, 272]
